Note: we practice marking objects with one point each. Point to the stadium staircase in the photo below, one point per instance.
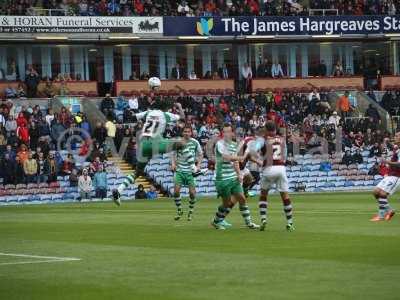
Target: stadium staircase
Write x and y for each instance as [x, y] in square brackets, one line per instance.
[362, 102]
[127, 169]
[94, 115]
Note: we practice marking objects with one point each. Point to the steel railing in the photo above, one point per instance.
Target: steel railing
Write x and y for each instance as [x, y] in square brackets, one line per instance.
[323, 12]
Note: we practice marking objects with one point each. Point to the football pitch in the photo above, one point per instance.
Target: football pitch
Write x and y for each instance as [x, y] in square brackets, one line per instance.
[137, 251]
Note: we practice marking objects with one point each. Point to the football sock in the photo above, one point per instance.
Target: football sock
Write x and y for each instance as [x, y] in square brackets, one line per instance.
[383, 206]
[263, 206]
[288, 209]
[244, 210]
[192, 202]
[221, 213]
[130, 179]
[178, 202]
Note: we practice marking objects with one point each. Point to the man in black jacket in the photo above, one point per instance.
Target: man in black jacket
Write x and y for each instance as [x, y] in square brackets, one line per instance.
[321, 69]
[264, 69]
[32, 80]
[107, 106]
[373, 113]
[347, 158]
[140, 193]
[357, 157]
[8, 167]
[177, 72]
[223, 72]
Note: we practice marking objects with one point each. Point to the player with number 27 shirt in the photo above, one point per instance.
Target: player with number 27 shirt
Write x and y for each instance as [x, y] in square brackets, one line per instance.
[151, 142]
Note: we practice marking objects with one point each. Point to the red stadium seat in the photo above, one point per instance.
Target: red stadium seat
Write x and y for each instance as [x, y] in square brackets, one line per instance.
[9, 187]
[43, 185]
[172, 92]
[54, 184]
[162, 92]
[211, 92]
[20, 186]
[124, 93]
[32, 186]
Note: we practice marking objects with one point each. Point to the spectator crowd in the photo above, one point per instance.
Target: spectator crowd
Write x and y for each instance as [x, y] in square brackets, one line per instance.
[197, 7]
[29, 154]
[309, 120]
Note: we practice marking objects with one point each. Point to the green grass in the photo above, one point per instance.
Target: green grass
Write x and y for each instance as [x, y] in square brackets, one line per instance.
[137, 251]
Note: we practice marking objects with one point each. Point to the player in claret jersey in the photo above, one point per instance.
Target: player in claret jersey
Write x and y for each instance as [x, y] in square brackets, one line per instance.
[388, 185]
[248, 168]
[274, 174]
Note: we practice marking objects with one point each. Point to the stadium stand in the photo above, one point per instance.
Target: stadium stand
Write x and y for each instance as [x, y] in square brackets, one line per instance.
[303, 114]
[197, 8]
[306, 115]
[307, 172]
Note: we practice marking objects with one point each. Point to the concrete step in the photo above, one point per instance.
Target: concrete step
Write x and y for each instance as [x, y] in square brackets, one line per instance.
[126, 168]
[125, 165]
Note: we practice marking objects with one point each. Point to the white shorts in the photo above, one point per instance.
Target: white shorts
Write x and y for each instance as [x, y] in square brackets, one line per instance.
[389, 184]
[245, 172]
[275, 176]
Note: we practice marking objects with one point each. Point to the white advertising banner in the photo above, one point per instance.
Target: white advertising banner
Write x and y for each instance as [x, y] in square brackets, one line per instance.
[71, 24]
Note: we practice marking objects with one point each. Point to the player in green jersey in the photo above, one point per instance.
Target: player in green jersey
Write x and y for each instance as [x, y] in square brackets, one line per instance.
[228, 180]
[184, 163]
[151, 142]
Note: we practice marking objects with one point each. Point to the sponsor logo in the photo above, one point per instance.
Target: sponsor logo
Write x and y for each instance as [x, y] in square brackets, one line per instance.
[148, 26]
[205, 26]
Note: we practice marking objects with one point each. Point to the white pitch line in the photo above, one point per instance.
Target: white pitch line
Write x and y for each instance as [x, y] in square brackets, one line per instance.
[39, 256]
[37, 262]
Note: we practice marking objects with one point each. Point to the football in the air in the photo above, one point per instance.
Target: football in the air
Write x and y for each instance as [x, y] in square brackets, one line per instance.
[154, 83]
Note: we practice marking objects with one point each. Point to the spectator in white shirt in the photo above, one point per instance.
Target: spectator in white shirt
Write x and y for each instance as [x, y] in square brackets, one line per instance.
[85, 185]
[276, 70]
[192, 76]
[49, 117]
[247, 75]
[183, 8]
[10, 92]
[334, 119]
[313, 94]
[2, 120]
[83, 8]
[133, 103]
[246, 71]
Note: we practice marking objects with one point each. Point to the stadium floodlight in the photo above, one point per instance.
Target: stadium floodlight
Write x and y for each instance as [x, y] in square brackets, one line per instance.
[326, 36]
[193, 37]
[261, 37]
[123, 37]
[51, 37]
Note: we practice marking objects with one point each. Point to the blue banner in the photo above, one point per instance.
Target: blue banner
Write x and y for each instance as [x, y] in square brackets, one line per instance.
[299, 25]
